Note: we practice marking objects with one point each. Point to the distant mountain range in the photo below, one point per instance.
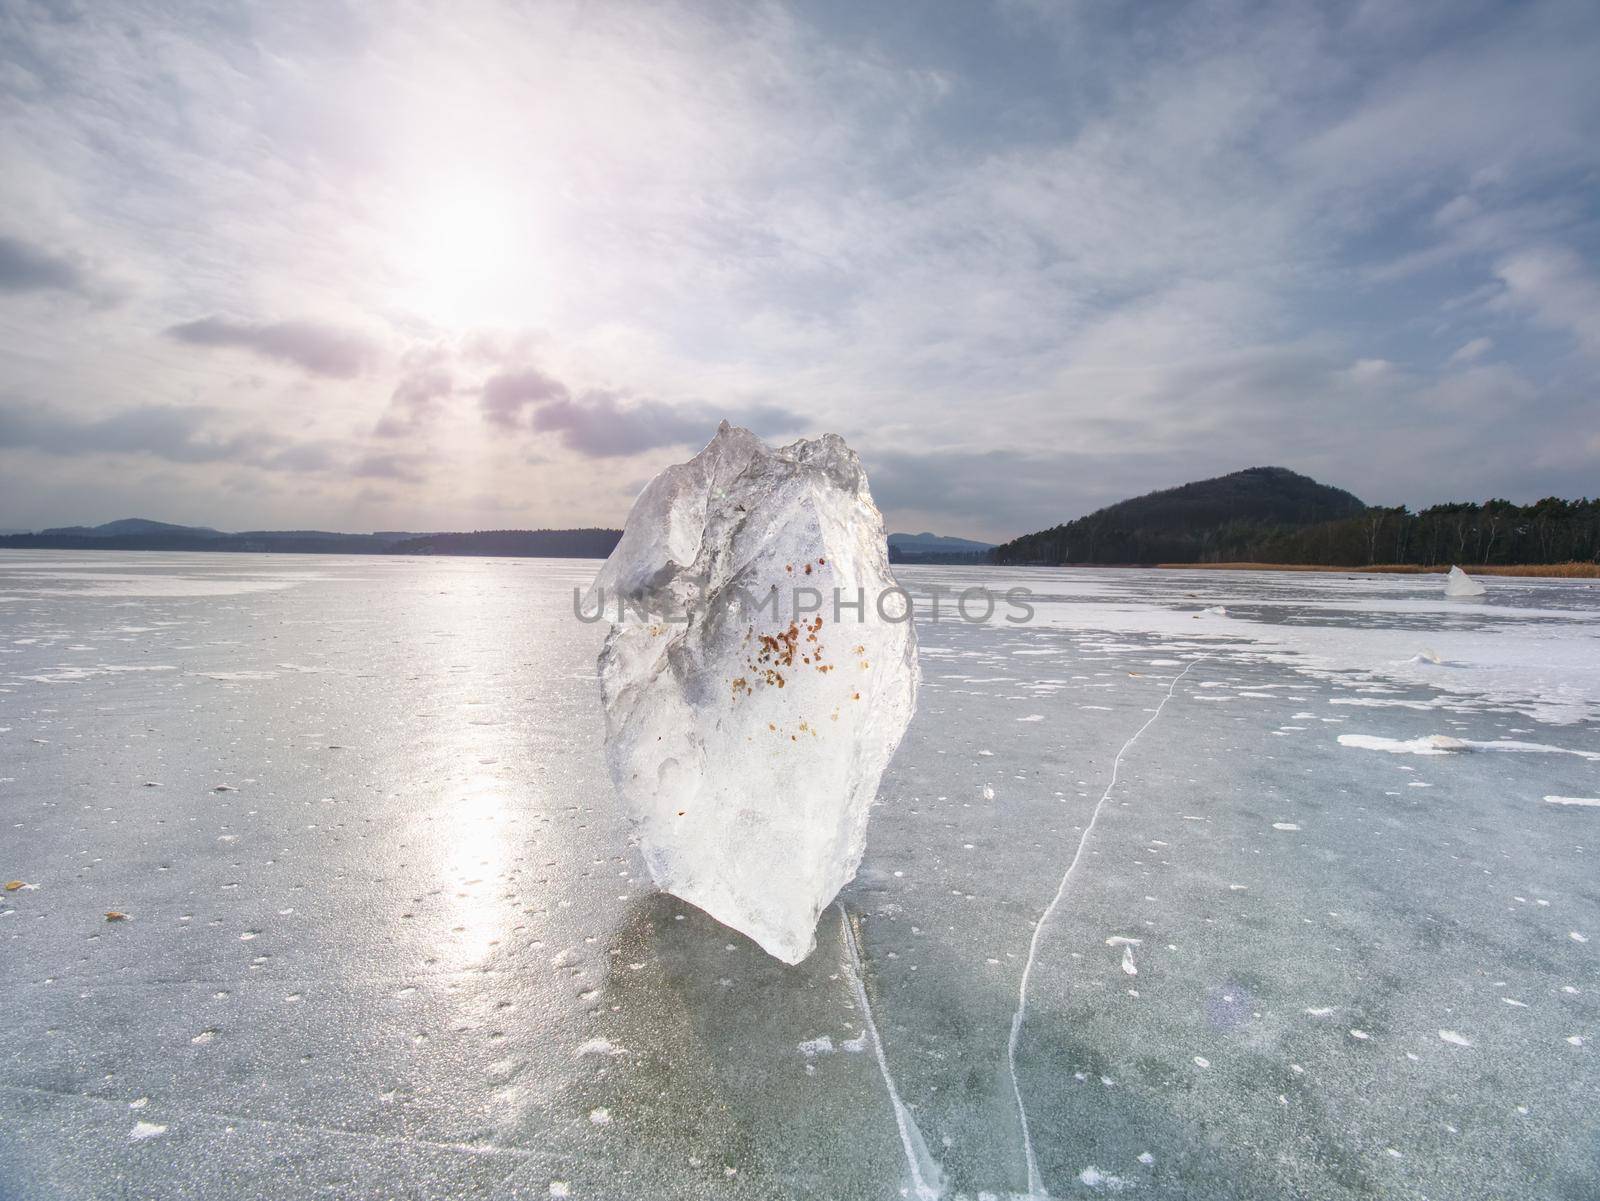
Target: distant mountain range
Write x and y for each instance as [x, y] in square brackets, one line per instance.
[132, 527]
[936, 548]
[1258, 515]
[138, 533]
[1190, 523]
[563, 544]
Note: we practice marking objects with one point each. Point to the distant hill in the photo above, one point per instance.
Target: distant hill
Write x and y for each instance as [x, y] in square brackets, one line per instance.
[569, 544]
[131, 527]
[936, 548]
[926, 543]
[1208, 520]
[137, 533]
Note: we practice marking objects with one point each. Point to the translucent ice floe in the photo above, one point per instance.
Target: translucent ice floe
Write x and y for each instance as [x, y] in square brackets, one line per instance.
[759, 673]
[1459, 583]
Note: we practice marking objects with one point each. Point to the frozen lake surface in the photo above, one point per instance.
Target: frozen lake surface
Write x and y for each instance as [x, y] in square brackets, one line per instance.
[1334, 932]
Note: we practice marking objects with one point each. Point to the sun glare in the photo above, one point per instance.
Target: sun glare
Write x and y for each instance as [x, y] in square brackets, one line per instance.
[464, 251]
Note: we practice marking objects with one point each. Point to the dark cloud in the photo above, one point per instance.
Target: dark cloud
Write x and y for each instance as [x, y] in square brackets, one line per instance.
[991, 493]
[416, 399]
[28, 268]
[317, 347]
[407, 468]
[179, 434]
[507, 394]
[305, 456]
[602, 426]
[173, 432]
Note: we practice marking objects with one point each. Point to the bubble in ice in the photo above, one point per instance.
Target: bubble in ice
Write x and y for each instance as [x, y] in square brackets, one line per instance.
[760, 670]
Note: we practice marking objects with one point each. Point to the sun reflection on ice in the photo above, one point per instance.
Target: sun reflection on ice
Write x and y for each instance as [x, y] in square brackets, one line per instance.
[475, 857]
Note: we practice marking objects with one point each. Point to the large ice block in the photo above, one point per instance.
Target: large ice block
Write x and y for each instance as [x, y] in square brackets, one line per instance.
[759, 673]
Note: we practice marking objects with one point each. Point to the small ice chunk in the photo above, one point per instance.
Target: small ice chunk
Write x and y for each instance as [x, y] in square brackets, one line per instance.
[821, 1045]
[1431, 744]
[1454, 1039]
[144, 1130]
[1128, 964]
[1459, 583]
[1093, 1177]
[760, 670]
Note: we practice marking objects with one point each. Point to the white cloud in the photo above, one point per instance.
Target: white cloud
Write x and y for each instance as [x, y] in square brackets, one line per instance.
[1558, 288]
[1471, 352]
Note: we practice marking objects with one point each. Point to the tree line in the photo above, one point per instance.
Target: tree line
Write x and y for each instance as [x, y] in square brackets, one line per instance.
[1551, 530]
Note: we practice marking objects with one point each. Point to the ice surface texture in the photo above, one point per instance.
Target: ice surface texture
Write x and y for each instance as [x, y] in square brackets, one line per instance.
[748, 716]
[1459, 583]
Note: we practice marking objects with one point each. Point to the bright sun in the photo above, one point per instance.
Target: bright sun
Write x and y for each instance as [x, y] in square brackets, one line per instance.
[464, 254]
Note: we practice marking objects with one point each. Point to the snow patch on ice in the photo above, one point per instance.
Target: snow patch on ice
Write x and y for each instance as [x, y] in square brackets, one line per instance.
[1093, 1177]
[598, 1046]
[1444, 744]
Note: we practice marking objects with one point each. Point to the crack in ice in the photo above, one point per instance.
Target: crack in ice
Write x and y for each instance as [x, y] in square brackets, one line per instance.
[925, 1174]
[1035, 1184]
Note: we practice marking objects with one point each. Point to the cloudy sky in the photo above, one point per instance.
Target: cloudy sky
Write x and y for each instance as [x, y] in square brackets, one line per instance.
[470, 265]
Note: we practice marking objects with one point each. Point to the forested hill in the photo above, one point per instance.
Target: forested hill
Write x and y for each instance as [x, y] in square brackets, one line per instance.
[572, 544]
[1206, 520]
[1267, 515]
[137, 534]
